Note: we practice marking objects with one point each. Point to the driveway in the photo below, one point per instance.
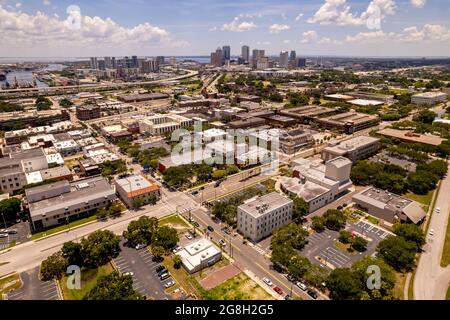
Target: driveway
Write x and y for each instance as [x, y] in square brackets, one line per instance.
[35, 289]
[141, 264]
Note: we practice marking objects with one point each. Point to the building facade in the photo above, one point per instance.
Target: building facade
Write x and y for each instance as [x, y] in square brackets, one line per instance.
[354, 149]
[136, 187]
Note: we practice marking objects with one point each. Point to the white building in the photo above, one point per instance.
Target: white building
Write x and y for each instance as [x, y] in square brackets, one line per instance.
[317, 183]
[163, 123]
[137, 187]
[67, 147]
[353, 149]
[428, 98]
[199, 254]
[259, 216]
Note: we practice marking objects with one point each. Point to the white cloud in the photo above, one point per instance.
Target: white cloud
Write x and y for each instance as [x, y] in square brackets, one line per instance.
[212, 29]
[338, 12]
[41, 30]
[18, 5]
[46, 2]
[300, 15]
[237, 26]
[277, 28]
[264, 43]
[369, 37]
[287, 41]
[418, 3]
[309, 36]
[326, 40]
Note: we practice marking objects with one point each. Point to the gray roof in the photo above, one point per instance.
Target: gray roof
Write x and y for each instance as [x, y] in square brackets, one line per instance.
[272, 201]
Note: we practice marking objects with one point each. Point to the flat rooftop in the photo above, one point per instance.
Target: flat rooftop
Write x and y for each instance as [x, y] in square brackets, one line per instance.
[136, 185]
[430, 95]
[349, 117]
[307, 190]
[306, 111]
[411, 137]
[364, 102]
[270, 202]
[351, 144]
[194, 253]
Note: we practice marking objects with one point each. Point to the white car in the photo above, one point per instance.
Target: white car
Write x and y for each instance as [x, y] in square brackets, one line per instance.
[268, 282]
[302, 286]
[169, 284]
[128, 274]
[222, 243]
[431, 232]
[438, 210]
[4, 235]
[189, 237]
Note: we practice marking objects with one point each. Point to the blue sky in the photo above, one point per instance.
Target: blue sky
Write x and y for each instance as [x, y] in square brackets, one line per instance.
[197, 27]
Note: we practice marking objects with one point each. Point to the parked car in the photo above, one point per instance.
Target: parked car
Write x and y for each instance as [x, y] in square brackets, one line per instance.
[222, 242]
[312, 293]
[290, 277]
[3, 235]
[128, 274]
[189, 236]
[302, 286]
[141, 246]
[278, 290]
[160, 268]
[169, 284]
[288, 297]
[195, 224]
[194, 193]
[176, 249]
[277, 267]
[202, 188]
[164, 276]
[217, 184]
[210, 229]
[438, 210]
[267, 281]
[216, 220]
[431, 232]
[11, 231]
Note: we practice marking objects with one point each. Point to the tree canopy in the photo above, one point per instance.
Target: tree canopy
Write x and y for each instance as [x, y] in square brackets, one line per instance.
[113, 287]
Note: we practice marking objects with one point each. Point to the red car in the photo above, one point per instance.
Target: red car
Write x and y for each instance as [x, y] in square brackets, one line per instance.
[278, 290]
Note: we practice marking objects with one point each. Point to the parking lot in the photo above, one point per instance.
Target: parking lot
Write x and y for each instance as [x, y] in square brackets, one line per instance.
[145, 279]
[322, 245]
[35, 289]
[22, 235]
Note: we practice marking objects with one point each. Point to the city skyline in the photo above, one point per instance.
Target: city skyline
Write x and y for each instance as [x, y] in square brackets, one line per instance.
[327, 27]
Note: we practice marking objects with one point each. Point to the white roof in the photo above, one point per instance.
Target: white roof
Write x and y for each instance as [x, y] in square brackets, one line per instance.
[33, 177]
[193, 254]
[364, 102]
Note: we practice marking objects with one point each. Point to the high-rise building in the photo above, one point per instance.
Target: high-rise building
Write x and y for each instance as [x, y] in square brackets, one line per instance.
[293, 56]
[226, 53]
[101, 64]
[246, 54]
[160, 60]
[301, 63]
[217, 58]
[135, 61]
[113, 63]
[284, 59]
[149, 66]
[257, 54]
[94, 63]
[262, 63]
[108, 64]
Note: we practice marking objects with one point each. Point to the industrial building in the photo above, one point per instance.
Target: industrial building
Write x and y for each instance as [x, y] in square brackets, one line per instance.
[259, 216]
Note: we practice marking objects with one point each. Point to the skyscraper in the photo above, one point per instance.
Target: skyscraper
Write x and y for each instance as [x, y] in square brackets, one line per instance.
[301, 63]
[94, 63]
[246, 53]
[257, 54]
[226, 53]
[217, 58]
[293, 55]
[113, 63]
[284, 59]
[108, 64]
[160, 60]
[135, 61]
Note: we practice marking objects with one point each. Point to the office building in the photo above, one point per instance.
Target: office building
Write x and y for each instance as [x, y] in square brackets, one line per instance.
[292, 141]
[284, 59]
[160, 60]
[94, 63]
[137, 189]
[318, 183]
[259, 216]
[226, 53]
[246, 54]
[354, 149]
[428, 98]
[262, 63]
[301, 63]
[349, 122]
[149, 66]
[60, 202]
[257, 54]
[410, 136]
[108, 63]
[199, 255]
[216, 58]
[135, 62]
[88, 112]
[159, 124]
[388, 206]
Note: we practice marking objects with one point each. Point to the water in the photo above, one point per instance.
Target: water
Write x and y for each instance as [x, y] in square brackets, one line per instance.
[25, 75]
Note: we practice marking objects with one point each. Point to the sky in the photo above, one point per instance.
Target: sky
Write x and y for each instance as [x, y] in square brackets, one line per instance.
[61, 28]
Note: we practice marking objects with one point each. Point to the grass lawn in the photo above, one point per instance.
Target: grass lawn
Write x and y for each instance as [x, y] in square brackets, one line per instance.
[89, 279]
[175, 222]
[240, 287]
[9, 283]
[181, 276]
[345, 247]
[423, 199]
[400, 280]
[446, 252]
[373, 220]
[447, 296]
[73, 224]
[269, 184]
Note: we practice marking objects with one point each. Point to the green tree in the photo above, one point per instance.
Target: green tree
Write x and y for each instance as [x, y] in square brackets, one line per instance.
[300, 208]
[359, 244]
[343, 285]
[335, 219]
[410, 232]
[141, 231]
[10, 209]
[426, 116]
[137, 202]
[398, 253]
[298, 266]
[421, 182]
[177, 262]
[43, 103]
[345, 236]
[165, 237]
[113, 287]
[66, 103]
[158, 252]
[71, 251]
[219, 174]
[291, 235]
[282, 254]
[318, 223]
[53, 267]
[99, 248]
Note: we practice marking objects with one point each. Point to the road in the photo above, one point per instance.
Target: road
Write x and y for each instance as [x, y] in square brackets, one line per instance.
[431, 281]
